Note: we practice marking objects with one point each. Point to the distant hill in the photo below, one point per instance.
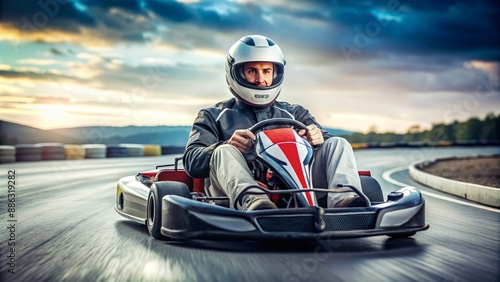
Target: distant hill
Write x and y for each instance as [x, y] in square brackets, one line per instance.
[164, 135]
[12, 134]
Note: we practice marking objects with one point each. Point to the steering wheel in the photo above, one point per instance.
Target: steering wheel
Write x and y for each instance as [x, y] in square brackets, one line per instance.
[273, 122]
[277, 121]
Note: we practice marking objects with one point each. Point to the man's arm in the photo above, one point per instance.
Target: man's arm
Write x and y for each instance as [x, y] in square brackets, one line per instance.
[308, 120]
[203, 139]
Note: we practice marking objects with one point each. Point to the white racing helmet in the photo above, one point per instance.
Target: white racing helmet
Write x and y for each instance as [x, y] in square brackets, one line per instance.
[254, 48]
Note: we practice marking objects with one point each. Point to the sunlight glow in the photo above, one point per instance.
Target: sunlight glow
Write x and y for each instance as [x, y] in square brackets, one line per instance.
[16, 99]
[55, 113]
[492, 68]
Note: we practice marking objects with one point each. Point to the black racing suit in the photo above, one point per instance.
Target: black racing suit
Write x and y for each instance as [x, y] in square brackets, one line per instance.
[215, 125]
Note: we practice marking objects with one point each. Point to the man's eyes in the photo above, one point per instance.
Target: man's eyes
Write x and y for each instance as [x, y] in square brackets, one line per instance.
[252, 71]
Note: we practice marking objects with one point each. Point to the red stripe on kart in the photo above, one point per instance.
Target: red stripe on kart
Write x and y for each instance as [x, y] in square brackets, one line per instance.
[291, 152]
[280, 135]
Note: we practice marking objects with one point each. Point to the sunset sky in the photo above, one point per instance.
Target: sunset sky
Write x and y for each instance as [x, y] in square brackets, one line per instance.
[354, 64]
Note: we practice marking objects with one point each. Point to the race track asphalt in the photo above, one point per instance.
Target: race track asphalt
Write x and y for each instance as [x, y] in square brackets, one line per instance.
[65, 229]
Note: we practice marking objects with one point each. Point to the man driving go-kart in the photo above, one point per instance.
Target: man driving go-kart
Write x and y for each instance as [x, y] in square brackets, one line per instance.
[260, 169]
[220, 143]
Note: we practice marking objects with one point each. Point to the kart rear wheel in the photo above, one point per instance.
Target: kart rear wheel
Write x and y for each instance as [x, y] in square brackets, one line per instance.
[154, 210]
[371, 188]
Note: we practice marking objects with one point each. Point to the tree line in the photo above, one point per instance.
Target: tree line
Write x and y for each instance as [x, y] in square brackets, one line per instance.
[473, 129]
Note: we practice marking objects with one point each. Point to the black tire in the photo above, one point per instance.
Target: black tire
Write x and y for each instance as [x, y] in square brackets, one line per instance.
[28, 153]
[53, 157]
[28, 149]
[156, 194]
[52, 148]
[371, 188]
[6, 150]
[7, 159]
[29, 158]
[52, 151]
[7, 154]
[94, 151]
[403, 235]
[116, 151]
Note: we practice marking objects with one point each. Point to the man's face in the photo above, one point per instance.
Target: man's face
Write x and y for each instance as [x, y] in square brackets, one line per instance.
[259, 73]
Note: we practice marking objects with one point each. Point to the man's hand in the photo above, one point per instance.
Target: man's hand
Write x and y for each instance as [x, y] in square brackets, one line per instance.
[240, 140]
[314, 135]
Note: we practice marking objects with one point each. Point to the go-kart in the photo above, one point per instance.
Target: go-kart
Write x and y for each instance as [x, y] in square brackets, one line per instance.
[175, 206]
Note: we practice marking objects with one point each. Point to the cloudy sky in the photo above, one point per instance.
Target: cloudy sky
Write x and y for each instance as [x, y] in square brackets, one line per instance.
[354, 64]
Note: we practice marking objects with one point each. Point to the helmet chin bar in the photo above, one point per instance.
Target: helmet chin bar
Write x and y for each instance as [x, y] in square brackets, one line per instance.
[253, 104]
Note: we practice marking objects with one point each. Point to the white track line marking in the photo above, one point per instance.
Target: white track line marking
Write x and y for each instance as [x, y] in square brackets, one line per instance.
[387, 177]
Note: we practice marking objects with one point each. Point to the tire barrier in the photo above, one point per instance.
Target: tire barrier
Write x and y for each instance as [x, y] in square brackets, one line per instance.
[58, 151]
[74, 152]
[356, 146]
[7, 154]
[28, 153]
[116, 151]
[95, 151]
[167, 150]
[52, 151]
[134, 150]
[152, 150]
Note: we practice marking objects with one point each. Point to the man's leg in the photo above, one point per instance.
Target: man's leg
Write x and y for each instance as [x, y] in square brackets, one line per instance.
[229, 174]
[334, 163]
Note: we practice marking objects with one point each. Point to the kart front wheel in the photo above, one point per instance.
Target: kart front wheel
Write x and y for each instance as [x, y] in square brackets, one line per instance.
[155, 197]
